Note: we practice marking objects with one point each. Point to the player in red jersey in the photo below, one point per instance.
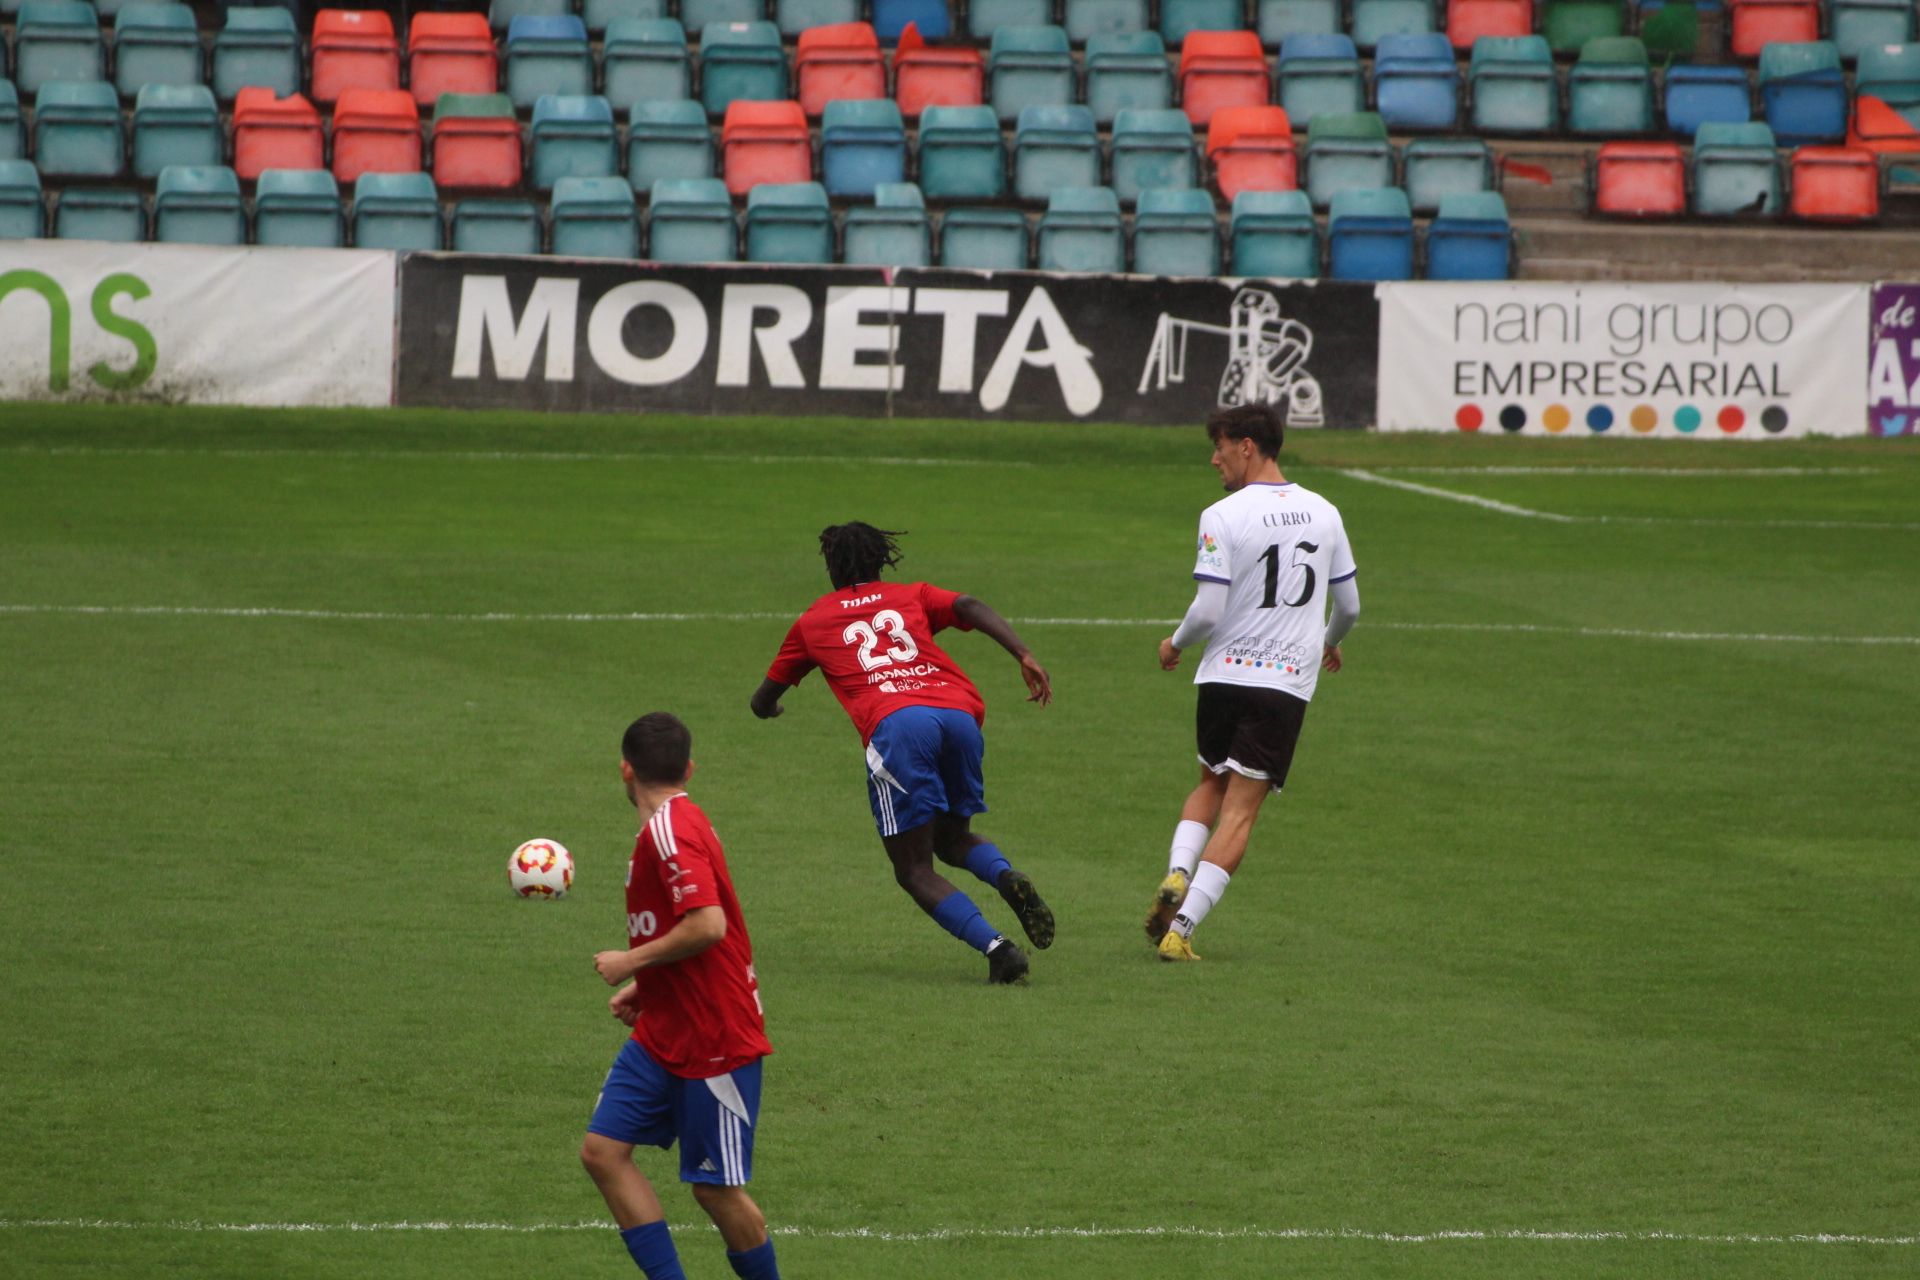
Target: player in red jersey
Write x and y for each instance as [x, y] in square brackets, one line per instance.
[691, 1070]
[919, 718]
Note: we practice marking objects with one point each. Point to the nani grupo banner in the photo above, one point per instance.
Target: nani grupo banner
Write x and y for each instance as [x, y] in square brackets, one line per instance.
[1677, 360]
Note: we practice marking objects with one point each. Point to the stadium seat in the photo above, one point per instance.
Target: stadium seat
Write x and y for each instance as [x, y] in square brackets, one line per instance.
[1569, 24]
[962, 156]
[1181, 18]
[1152, 150]
[353, 49]
[23, 216]
[1370, 235]
[476, 142]
[1029, 66]
[984, 17]
[1878, 128]
[501, 13]
[1470, 21]
[1835, 184]
[56, 41]
[595, 217]
[199, 204]
[572, 137]
[276, 133]
[1439, 167]
[795, 17]
[375, 130]
[1222, 69]
[1804, 92]
[1374, 20]
[789, 222]
[1735, 169]
[1640, 180]
[1758, 23]
[764, 142]
[298, 207]
[890, 232]
[601, 14]
[1697, 95]
[1347, 152]
[497, 226]
[1471, 239]
[1275, 20]
[1514, 86]
[1127, 70]
[984, 240]
[76, 130]
[1890, 73]
[1176, 234]
[155, 44]
[257, 48]
[668, 140]
[1610, 89]
[863, 144]
[176, 124]
[1085, 19]
[13, 137]
[1672, 31]
[741, 62]
[838, 62]
[698, 15]
[1054, 147]
[107, 9]
[1858, 25]
[646, 61]
[450, 53]
[928, 17]
[691, 220]
[547, 55]
[1082, 231]
[398, 211]
[98, 213]
[1273, 234]
[1320, 75]
[1416, 82]
[1251, 149]
[925, 77]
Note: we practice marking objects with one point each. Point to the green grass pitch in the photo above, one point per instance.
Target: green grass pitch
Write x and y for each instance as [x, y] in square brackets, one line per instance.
[1566, 923]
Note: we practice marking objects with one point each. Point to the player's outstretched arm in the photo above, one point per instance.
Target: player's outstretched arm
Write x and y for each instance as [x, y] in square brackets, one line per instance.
[766, 699]
[975, 614]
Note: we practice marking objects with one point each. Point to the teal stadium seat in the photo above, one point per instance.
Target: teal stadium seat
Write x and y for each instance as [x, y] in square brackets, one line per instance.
[547, 55]
[789, 222]
[1054, 147]
[962, 156]
[1152, 149]
[741, 61]
[1610, 89]
[1179, 18]
[573, 137]
[298, 208]
[1735, 169]
[1347, 152]
[795, 16]
[101, 213]
[155, 44]
[1514, 86]
[1370, 236]
[601, 14]
[698, 15]
[501, 13]
[176, 124]
[691, 220]
[668, 140]
[863, 146]
[76, 130]
[1028, 67]
[1471, 238]
[1320, 75]
[1127, 70]
[13, 135]
[1375, 18]
[199, 204]
[1276, 20]
[1440, 167]
[1176, 234]
[256, 48]
[646, 61]
[497, 226]
[984, 240]
[1082, 231]
[984, 17]
[1274, 234]
[1085, 19]
[595, 217]
[1858, 25]
[1891, 73]
[890, 232]
[22, 215]
[399, 211]
[1804, 91]
[56, 40]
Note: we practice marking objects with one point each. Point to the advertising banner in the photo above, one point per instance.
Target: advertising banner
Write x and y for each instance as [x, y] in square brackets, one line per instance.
[1730, 361]
[1893, 367]
[637, 337]
[83, 320]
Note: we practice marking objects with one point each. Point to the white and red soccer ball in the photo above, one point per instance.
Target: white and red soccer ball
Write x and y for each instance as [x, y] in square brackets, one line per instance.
[541, 869]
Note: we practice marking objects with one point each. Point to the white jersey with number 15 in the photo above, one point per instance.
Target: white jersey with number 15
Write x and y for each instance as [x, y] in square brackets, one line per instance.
[1278, 547]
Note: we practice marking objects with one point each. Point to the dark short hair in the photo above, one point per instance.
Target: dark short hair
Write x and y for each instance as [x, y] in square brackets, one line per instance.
[658, 747]
[1259, 423]
[857, 552]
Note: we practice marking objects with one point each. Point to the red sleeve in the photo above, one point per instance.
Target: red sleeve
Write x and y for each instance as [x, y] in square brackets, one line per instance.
[938, 603]
[688, 875]
[791, 664]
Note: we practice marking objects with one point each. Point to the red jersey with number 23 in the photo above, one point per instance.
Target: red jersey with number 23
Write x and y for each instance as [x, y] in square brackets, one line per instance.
[874, 644]
[700, 1016]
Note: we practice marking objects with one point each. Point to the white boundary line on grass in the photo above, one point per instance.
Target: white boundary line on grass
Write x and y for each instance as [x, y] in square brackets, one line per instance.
[1704, 473]
[481, 455]
[938, 1234]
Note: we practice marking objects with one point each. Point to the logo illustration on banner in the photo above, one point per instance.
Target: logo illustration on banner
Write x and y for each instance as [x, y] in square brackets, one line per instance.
[1266, 358]
[1893, 379]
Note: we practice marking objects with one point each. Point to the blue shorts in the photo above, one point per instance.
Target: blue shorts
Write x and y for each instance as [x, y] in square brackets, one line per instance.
[922, 761]
[645, 1104]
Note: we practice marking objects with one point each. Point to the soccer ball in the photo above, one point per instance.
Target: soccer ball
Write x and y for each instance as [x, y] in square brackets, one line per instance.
[541, 870]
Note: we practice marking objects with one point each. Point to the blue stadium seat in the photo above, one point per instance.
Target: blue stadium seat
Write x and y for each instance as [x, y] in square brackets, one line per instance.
[547, 55]
[646, 61]
[1320, 75]
[929, 17]
[1370, 236]
[100, 213]
[1440, 167]
[396, 211]
[984, 17]
[1698, 94]
[1858, 25]
[696, 15]
[155, 44]
[1176, 234]
[1054, 147]
[1416, 81]
[1610, 89]
[962, 156]
[1373, 20]
[691, 220]
[741, 60]
[1804, 92]
[257, 47]
[1347, 152]
[795, 16]
[199, 204]
[13, 137]
[573, 137]
[1274, 234]
[863, 145]
[22, 215]
[1278, 20]
[1179, 17]
[298, 207]
[595, 217]
[1029, 66]
[1085, 19]
[1735, 169]
[1514, 86]
[984, 240]
[668, 140]
[890, 232]
[497, 226]
[56, 40]
[1128, 70]
[1082, 231]
[76, 130]
[1471, 239]
[602, 14]
[176, 124]
[1152, 149]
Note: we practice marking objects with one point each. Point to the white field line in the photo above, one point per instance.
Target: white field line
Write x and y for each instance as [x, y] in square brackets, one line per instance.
[1427, 490]
[1703, 473]
[370, 615]
[471, 455]
[937, 1234]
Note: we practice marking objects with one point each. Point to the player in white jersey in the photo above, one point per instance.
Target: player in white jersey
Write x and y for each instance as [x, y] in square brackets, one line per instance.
[1272, 556]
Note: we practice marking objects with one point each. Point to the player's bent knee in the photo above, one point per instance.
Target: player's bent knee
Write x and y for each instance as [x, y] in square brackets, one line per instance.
[602, 1156]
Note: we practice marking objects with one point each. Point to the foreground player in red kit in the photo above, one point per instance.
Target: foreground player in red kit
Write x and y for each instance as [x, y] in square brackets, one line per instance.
[692, 1069]
[919, 718]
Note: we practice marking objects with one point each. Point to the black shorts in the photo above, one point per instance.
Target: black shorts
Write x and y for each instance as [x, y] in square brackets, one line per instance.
[1249, 730]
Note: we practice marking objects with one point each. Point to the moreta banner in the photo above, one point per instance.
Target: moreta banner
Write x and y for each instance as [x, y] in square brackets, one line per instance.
[1893, 366]
[82, 320]
[637, 337]
[1729, 361]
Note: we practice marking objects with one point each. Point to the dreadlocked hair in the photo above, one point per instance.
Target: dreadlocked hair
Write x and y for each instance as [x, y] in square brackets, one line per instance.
[857, 552]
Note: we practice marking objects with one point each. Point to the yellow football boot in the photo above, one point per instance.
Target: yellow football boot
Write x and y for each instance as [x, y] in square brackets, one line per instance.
[1175, 947]
[1166, 903]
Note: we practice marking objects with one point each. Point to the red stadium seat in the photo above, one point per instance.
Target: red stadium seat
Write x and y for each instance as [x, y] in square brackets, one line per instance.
[1468, 20]
[275, 133]
[841, 60]
[764, 142]
[1251, 149]
[1221, 69]
[450, 53]
[1761, 22]
[1835, 184]
[375, 131]
[924, 77]
[476, 143]
[1878, 128]
[353, 49]
[1640, 180]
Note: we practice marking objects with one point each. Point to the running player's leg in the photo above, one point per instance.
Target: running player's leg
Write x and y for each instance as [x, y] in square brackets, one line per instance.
[635, 1107]
[1197, 815]
[716, 1120]
[911, 853]
[962, 751]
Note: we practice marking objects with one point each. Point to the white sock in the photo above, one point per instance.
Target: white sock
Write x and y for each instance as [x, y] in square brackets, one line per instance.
[1189, 840]
[1209, 886]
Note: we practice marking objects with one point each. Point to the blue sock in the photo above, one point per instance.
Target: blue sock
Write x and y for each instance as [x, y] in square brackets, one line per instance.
[652, 1248]
[987, 862]
[755, 1264]
[959, 917]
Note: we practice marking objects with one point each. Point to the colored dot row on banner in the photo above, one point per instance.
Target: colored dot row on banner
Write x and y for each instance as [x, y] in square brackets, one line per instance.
[1642, 418]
